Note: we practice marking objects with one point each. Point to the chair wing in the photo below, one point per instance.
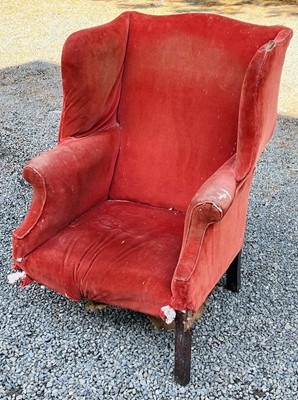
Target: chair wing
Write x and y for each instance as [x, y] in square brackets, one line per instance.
[92, 67]
[258, 103]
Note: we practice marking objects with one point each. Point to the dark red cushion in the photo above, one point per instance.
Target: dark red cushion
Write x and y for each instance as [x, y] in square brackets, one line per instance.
[120, 253]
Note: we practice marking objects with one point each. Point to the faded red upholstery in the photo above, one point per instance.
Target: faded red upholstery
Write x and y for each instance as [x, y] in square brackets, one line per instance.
[143, 202]
[136, 246]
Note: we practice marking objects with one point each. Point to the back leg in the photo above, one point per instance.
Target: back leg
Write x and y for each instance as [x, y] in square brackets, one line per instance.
[234, 274]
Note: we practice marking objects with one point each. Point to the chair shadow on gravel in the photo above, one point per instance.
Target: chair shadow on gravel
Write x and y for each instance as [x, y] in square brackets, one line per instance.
[30, 101]
[30, 107]
[35, 81]
[33, 77]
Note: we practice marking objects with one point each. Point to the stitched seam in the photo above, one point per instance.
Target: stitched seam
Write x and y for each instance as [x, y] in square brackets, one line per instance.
[184, 279]
[257, 111]
[117, 111]
[188, 276]
[41, 208]
[83, 136]
[124, 65]
[259, 77]
[198, 206]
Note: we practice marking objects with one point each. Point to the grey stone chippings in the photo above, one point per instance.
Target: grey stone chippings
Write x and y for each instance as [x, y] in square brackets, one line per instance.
[244, 347]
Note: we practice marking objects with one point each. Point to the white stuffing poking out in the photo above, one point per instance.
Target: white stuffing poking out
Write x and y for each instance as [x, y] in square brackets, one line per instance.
[19, 259]
[15, 277]
[169, 313]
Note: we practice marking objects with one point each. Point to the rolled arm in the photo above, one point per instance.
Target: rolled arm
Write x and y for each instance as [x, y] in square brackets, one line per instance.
[67, 181]
[208, 206]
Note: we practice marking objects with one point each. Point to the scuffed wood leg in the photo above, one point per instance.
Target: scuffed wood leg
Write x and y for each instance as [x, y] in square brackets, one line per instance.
[234, 274]
[182, 348]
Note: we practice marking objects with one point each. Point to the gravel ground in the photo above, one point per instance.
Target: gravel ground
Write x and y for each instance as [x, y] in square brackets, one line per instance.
[244, 347]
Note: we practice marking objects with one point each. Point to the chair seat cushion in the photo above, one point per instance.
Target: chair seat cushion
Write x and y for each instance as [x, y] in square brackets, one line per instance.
[119, 253]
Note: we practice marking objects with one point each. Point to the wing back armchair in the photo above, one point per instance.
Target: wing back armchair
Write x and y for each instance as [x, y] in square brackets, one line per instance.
[143, 202]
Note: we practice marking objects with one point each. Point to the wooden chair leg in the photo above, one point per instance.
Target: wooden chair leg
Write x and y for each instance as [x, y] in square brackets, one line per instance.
[234, 274]
[182, 348]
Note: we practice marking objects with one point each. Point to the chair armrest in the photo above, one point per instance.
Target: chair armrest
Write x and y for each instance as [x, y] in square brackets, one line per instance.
[67, 181]
[208, 206]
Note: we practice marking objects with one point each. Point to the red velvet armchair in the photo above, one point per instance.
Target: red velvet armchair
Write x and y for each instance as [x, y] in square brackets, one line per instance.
[143, 202]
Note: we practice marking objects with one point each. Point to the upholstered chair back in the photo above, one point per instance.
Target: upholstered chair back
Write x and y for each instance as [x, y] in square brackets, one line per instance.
[179, 103]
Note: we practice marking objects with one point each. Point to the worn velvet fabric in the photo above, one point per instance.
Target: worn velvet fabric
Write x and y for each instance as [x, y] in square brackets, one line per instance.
[143, 202]
[115, 253]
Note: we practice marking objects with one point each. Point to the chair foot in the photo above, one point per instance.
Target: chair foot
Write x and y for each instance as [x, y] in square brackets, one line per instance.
[234, 274]
[182, 348]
